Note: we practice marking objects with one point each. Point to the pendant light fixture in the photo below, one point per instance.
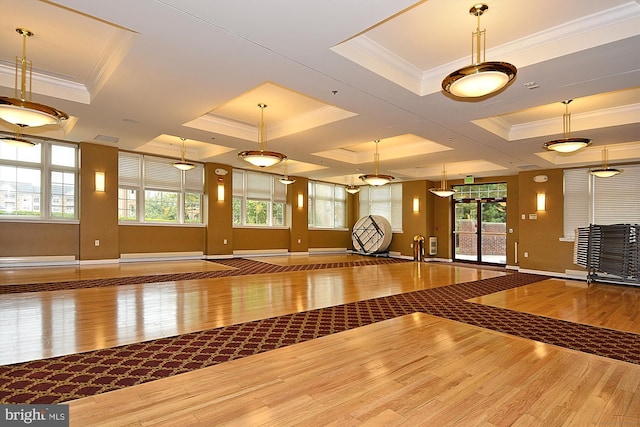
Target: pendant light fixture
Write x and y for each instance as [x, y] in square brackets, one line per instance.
[17, 140]
[443, 191]
[480, 78]
[21, 111]
[352, 189]
[183, 165]
[605, 171]
[567, 144]
[376, 179]
[285, 179]
[261, 157]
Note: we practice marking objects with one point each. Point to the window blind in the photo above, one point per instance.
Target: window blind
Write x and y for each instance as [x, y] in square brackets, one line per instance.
[129, 169]
[159, 174]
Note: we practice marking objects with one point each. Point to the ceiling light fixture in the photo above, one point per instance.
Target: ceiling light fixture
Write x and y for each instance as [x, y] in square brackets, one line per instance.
[567, 144]
[183, 165]
[17, 140]
[376, 179]
[480, 78]
[605, 171]
[443, 191]
[21, 111]
[352, 189]
[261, 157]
[285, 179]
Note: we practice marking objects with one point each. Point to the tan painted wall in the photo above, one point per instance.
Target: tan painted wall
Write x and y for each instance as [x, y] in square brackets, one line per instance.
[330, 239]
[299, 216]
[540, 238]
[149, 238]
[413, 223]
[260, 238]
[98, 210]
[219, 221]
[23, 239]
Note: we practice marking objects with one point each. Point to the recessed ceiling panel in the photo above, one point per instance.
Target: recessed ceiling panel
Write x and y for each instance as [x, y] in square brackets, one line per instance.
[591, 112]
[286, 112]
[397, 147]
[418, 60]
[72, 64]
[454, 170]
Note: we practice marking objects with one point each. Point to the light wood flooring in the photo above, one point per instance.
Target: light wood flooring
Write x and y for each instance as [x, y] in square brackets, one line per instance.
[380, 374]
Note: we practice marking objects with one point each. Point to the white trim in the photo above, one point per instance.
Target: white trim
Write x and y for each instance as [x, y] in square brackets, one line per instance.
[160, 256]
[214, 257]
[261, 252]
[327, 250]
[99, 261]
[38, 261]
[437, 260]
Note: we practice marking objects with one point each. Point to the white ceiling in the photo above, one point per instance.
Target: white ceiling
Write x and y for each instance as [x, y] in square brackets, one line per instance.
[336, 75]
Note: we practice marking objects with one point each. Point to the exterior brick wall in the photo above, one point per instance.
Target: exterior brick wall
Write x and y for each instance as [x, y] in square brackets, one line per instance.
[491, 244]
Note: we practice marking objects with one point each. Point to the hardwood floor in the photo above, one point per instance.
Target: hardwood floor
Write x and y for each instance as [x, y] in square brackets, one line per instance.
[413, 370]
[381, 374]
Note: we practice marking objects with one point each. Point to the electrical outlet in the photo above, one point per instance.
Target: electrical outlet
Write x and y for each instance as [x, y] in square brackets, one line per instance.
[224, 242]
[96, 242]
[299, 240]
[526, 254]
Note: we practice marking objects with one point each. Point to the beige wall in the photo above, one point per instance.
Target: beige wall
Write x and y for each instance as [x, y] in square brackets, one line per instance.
[26, 239]
[219, 233]
[414, 223]
[98, 210]
[539, 238]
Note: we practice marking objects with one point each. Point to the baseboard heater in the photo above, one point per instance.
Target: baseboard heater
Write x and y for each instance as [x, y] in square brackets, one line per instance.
[37, 261]
[160, 256]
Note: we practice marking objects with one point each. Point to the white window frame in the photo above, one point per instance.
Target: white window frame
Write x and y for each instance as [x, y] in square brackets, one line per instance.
[46, 168]
[603, 201]
[386, 201]
[142, 173]
[337, 202]
[258, 187]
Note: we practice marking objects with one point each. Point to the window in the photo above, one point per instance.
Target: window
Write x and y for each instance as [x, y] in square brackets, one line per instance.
[327, 205]
[602, 201]
[385, 201]
[480, 191]
[259, 199]
[151, 190]
[39, 182]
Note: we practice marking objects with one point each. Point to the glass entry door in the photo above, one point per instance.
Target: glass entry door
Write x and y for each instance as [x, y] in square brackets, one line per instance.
[465, 232]
[480, 224]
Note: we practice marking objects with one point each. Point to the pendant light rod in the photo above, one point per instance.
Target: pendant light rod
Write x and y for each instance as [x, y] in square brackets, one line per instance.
[261, 157]
[567, 144]
[20, 110]
[183, 165]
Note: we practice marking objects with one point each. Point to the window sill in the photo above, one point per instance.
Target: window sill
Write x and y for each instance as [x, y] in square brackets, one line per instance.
[39, 220]
[160, 224]
[262, 227]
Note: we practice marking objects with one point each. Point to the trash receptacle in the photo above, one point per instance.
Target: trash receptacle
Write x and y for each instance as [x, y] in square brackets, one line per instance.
[418, 247]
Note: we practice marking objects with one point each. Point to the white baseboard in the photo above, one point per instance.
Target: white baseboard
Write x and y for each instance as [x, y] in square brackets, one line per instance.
[218, 256]
[38, 261]
[327, 250]
[99, 261]
[160, 256]
[437, 260]
[260, 252]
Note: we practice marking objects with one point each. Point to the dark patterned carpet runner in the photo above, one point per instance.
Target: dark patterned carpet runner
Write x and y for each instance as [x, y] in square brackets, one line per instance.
[74, 376]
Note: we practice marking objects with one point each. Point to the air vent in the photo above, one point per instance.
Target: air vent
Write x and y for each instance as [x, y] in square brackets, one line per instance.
[106, 138]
